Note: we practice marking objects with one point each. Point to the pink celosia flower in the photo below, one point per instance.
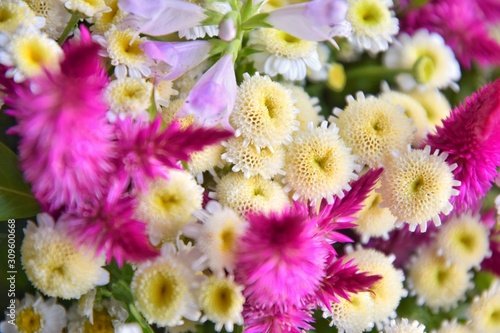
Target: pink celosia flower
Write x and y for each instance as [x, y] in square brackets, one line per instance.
[212, 99]
[490, 9]
[146, 151]
[461, 23]
[492, 263]
[340, 214]
[471, 138]
[180, 56]
[260, 319]
[111, 228]
[318, 20]
[65, 146]
[340, 280]
[158, 18]
[280, 258]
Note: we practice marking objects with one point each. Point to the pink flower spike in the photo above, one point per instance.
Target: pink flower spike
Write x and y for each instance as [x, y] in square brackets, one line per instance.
[280, 258]
[340, 214]
[318, 20]
[66, 146]
[158, 18]
[260, 319]
[180, 56]
[147, 152]
[471, 138]
[340, 280]
[490, 10]
[112, 229]
[212, 99]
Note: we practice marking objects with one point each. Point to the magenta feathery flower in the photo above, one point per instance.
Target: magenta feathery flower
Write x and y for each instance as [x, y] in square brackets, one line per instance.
[146, 151]
[471, 138]
[340, 280]
[260, 319]
[111, 228]
[66, 144]
[340, 214]
[461, 23]
[280, 258]
[490, 9]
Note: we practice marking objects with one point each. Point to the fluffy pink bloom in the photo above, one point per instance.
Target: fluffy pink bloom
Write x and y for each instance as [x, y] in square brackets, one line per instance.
[461, 23]
[158, 18]
[340, 280]
[260, 319]
[212, 98]
[280, 258]
[490, 9]
[65, 146]
[146, 151]
[180, 56]
[471, 138]
[318, 20]
[111, 228]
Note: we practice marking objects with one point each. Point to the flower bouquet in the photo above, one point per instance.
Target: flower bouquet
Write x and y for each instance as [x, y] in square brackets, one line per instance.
[258, 166]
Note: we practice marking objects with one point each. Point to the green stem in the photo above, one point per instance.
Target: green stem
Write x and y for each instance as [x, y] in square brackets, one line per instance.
[375, 71]
[75, 17]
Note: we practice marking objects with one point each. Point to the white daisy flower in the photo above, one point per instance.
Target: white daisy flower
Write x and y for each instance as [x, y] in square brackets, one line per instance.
[282, 53]
[109, 315]
[373, 24]
[34, 315]
[432, 62]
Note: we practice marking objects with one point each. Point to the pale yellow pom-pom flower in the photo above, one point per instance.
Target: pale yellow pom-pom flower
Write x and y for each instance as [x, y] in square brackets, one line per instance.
[56, 264]
[386, 292]
[254, 194]
[309, 109]
[354, 315]
[435, 282]
[484, 312]
[417, 187]
[463, 240]
[221, 300]
[404, 326]
[318, 164]
[166, 205]
[264, 113]
[373, 128]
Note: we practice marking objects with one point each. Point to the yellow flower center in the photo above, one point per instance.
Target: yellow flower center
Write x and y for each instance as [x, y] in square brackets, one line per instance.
[370, 13]
[124, 49]
[227, 238]
[102, 323]
[28, 321]
[285, 45]
[220, 299]
[33, 53]
[424, 69]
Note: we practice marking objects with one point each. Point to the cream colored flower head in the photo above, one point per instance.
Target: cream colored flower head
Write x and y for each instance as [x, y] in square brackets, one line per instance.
[35, 315]
[56, 265]
[436, 283]
[264, 113]
[282, 53]
[435, 103]
[373, 24]
[413, 110]
[353, 315]
[254, 194]
[221, 301]
[105, 19]
[16, 14]
[463, 240]
[254, 161]
[318, 164]
[404, 326]
[55, 14]
[217, 235]
[87, 8]
[432, 62]
[166, 205]
[417, 187]
[388, 291]
[484, 310]
[373, 220]
[309, 109]
[29, 52]
[164, 288]
[129, 97]
[373, 128]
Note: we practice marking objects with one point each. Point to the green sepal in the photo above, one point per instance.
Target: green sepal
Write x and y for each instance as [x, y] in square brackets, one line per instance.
[213, 17]
[256, 21]
[16, 199]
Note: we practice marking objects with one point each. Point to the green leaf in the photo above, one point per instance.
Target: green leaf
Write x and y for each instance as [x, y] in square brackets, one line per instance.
[213, 17]
[16, 199]
[256, 21]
